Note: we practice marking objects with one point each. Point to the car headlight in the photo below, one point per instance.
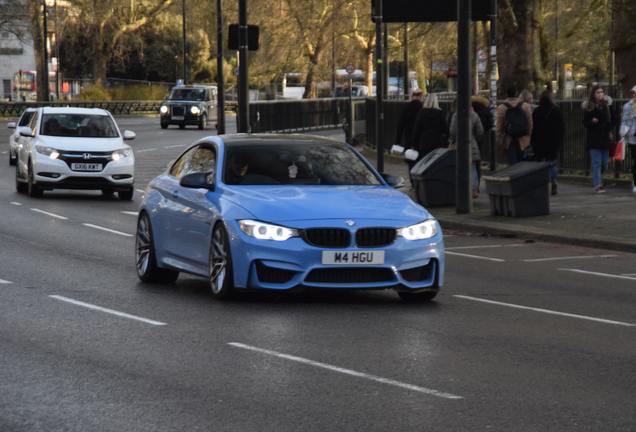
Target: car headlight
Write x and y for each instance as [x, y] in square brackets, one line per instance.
[120, 154]
[264, 231]
[48, 151]
[420, 231]
[163, 109]
[195, 109]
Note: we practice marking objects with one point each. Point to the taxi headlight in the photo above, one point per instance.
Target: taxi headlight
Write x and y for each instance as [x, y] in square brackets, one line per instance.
[195, 109]
[420, 231]
[48, 151]
[163, 109]
[264, 231]
[120, 154]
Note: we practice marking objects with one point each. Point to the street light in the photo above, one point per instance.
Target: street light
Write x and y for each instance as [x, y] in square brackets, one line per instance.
[45, 79]
[185, 63]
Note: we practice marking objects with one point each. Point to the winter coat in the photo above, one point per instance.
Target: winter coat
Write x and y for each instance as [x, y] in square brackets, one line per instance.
[548, 131]
[481, 107]
[597, 136]
[407, 121]
[628, 121]
[503, 139]
[430, 130]
[477, 132]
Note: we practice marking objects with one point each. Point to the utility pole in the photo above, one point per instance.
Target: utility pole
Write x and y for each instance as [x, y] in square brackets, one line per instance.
[463, 196]
[407, 75]
[243, 100]
[46, 89]
[493, 80]
[220, 79]
[185, 56]
[379, 87]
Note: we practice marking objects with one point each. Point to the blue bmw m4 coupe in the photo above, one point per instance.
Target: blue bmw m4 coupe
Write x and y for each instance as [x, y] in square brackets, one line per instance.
[277, 212]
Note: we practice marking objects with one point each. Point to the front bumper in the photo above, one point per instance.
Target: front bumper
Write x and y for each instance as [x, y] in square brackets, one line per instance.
[414, 266]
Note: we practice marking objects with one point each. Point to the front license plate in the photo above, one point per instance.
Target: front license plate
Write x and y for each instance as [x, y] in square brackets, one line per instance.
[86, 167]
[178, 117]
[352, 258]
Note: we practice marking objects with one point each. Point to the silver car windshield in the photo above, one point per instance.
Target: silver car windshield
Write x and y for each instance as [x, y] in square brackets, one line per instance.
[294, 164]
[78, 125]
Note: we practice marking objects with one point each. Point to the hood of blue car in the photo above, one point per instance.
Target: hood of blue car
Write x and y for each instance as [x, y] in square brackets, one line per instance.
[289, 203]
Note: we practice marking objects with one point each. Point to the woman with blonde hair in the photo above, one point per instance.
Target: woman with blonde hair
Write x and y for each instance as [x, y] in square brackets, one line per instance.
[431, 101]
[431, 128]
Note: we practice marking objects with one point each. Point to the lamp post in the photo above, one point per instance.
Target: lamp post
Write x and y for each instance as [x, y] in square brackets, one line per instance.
[46, 56]
[185, 58]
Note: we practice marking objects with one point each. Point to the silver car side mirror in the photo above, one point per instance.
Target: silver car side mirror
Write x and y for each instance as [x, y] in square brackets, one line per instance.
[129, 135]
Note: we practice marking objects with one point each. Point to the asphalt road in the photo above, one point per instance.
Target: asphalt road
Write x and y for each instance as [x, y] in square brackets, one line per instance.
[522, 337]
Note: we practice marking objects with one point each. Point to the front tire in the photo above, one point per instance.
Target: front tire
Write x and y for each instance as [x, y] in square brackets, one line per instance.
[221, 272]
[164, 125]
[146, 260]
[19, 186]
[32, 189]
[203, 120]
[126, 195]
[12, 159]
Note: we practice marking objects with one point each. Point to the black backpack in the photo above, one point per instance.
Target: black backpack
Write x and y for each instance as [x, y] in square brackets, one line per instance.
[516, 121]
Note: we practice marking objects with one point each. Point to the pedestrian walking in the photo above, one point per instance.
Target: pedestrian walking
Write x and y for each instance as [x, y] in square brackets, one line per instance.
[548, 133]
[481, 106]
[477, 132]
[406, 124]
[628, 131]
[513, 128]
[598, 122]
[431, 128]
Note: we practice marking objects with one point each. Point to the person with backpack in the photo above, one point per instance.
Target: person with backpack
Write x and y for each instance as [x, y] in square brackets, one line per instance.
[513, 126]
[598, 123]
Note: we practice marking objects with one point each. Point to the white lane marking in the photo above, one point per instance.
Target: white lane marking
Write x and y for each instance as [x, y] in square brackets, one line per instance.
[547, 311]
[178, 145]
[141, 191]
[599, 274]
[628, 274]
[4, 152]
[2, 281]
[110, 311]
[570, 257]
[486, 246]
[107, 229]
[347, 371]
[49, 214]
[15, 203]
[131, 213]
[474, 256]
[145, 150]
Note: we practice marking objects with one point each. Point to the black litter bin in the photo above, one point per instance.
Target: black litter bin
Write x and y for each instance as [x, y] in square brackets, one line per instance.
[434, 178]
[520, 190]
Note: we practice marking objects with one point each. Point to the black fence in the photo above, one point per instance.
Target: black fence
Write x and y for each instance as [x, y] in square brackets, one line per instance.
[14, 109]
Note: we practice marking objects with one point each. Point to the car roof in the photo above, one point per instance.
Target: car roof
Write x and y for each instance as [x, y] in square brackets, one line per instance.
[73, 110]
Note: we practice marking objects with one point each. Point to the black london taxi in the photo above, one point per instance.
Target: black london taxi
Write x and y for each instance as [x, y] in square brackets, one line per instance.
[194, 105]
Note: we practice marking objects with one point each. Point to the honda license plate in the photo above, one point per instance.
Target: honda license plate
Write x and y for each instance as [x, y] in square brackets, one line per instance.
[86, 167]
[352, 258]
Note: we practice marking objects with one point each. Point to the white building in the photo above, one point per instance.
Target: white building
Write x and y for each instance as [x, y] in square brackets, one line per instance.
[15, 55]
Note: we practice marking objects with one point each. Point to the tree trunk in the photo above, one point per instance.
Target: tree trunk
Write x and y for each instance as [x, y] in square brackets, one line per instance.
[515, 50]
[310, 83]
[368, 77]
[35, 15]
[623, 42]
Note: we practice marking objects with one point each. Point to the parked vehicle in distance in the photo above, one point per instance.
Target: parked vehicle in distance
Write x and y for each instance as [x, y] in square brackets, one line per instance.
[190, 105]
[356, 91]
[15, 136]
[74, 148]
[276, 212]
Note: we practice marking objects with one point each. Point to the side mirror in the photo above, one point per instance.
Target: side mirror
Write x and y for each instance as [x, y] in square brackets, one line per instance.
[393, 181]
[27, 132]
[129, 135]
[11, 125]
[198, 180]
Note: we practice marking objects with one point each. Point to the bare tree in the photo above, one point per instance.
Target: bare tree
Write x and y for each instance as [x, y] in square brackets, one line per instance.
[623, 42]
[14, 19]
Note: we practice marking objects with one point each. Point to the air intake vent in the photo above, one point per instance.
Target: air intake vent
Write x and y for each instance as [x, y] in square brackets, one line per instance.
[350, 275]
[328, 237]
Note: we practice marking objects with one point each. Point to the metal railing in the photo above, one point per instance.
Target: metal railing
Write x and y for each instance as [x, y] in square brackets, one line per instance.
[14, 109]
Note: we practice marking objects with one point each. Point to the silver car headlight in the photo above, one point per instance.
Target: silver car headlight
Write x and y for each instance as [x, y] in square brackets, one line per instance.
[48, 151]
[163, 109]
[264, 231]
[420, 231]
[120, 154]
[195, 109]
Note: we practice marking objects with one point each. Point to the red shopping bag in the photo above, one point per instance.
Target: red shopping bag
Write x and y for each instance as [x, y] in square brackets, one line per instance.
[619, 155]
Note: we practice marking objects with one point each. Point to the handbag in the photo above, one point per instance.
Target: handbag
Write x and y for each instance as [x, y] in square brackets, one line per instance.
[619, 155]
[397, 149]
[411, 155]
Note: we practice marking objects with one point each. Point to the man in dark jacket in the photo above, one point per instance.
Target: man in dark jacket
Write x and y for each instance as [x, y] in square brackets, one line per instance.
[407, 121]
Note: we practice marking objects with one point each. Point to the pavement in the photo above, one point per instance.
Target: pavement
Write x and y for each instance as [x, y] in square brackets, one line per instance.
[578, 216]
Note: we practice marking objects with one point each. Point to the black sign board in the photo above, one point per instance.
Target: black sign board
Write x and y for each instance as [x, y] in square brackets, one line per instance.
[252, 37]
[401, 11]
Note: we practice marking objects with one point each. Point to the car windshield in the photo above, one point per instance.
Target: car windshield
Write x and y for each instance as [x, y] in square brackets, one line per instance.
[188, 94]
[78, 125]
[296, 163]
